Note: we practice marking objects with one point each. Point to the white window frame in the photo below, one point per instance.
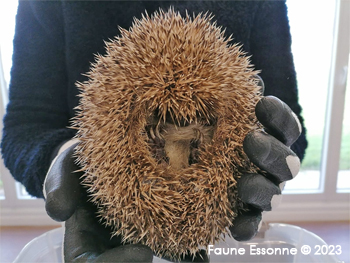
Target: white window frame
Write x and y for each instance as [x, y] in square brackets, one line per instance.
[326, 205]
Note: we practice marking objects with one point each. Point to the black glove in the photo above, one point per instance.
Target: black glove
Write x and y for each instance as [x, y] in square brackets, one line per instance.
[85, 239]
[270, 151]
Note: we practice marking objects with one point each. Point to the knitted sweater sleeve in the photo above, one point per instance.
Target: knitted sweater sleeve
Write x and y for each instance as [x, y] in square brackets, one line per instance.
[37, 115]
[271, 48]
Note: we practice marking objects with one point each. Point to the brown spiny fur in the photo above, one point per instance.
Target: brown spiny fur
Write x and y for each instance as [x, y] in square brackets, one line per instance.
[162, 120]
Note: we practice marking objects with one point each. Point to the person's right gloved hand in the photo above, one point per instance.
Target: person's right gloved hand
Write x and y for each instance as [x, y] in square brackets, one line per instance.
[85, 238]
[270, 151]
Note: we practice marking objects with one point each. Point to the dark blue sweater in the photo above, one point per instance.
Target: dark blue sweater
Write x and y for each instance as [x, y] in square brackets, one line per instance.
[56, 41]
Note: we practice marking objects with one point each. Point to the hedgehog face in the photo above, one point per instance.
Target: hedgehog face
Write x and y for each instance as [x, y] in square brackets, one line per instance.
[175, 138]
[162, 121]
[177, 143]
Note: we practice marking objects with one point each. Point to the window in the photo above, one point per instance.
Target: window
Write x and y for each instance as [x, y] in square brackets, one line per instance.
[7, 28]
[2, 193]
[17, 207]
[8, 24]
[343, 183]
[312, 58]
[321, 200]
[7, 21]
[320, 34]
[313, 41]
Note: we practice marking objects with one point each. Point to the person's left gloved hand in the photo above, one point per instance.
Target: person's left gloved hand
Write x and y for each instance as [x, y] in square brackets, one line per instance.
[86, 239]
[270, 151]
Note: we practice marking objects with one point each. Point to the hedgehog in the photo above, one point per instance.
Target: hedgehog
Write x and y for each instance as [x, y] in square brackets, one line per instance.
[161, 123]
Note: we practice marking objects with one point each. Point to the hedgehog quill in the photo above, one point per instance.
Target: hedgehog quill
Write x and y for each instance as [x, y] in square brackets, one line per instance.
[161, 124]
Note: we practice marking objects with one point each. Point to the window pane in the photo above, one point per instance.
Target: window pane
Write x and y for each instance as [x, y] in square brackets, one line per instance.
[343, 183]
[2, 193]
[8, 11]
[21, 192]
[312, 39]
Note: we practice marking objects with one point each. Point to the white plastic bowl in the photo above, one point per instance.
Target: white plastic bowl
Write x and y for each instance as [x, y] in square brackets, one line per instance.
[280, 243]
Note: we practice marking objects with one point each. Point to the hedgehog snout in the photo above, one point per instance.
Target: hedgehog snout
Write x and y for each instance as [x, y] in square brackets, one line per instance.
[178, 146]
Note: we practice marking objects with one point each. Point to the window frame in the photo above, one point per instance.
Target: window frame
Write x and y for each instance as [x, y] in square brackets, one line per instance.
[326, 204]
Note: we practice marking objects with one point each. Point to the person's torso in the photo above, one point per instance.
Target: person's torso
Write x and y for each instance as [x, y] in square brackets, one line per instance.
[88, 24]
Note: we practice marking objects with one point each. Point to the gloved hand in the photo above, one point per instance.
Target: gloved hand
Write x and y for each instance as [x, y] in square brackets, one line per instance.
[85, 239]
[270, 151]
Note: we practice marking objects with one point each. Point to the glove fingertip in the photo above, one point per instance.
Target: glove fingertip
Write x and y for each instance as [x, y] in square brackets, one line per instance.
[257, 190]
[246, 226]
[293, 163]
[58, 210]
